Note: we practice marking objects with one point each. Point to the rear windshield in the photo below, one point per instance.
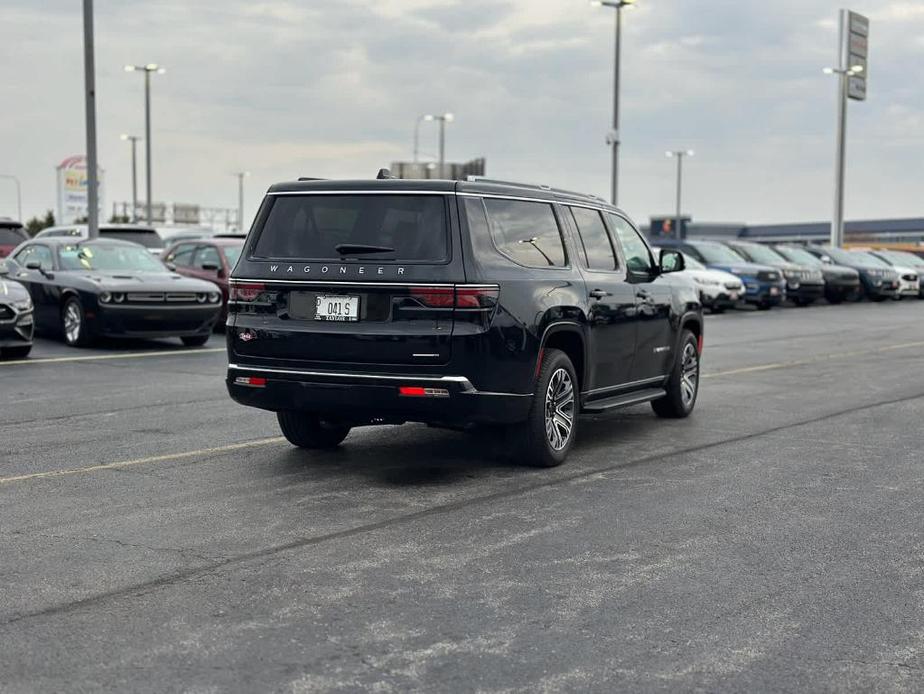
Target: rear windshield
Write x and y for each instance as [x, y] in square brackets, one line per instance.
[11, 237]
[147, 238]
[400, 228]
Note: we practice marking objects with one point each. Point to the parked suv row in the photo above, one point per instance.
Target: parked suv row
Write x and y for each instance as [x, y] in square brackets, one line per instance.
[457, 304]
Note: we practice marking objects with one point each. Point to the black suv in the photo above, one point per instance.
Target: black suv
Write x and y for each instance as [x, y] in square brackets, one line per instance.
[456, 304]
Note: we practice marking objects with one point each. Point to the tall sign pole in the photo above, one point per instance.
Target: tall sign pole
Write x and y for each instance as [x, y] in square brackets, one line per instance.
[89, 66]
[851, 71]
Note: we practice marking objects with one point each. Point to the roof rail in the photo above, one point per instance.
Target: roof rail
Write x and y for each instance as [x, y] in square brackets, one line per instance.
[539, 186]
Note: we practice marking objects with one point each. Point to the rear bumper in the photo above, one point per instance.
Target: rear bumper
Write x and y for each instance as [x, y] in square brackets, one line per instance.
[155, 321]
[367, 398]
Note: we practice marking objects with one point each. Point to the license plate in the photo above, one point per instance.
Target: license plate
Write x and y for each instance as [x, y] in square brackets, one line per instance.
[733, 296]
[774, 291]
[336, 308]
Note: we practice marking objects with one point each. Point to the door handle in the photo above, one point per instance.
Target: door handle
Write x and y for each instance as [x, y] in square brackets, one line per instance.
[599, 294]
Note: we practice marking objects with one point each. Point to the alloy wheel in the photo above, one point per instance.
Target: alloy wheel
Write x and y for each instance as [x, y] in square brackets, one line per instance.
[72, 323]
[689, 375]
[559, 409]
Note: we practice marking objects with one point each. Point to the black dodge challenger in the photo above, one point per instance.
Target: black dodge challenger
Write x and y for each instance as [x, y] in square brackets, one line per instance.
[87, 288]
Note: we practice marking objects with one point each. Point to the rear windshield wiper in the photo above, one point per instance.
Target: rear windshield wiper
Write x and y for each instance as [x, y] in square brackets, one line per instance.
[359, 248]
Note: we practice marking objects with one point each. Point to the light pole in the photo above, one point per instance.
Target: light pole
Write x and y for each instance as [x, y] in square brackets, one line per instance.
[18, 194]
[89, 82]
[147, 70]
[445, 118]
[425, 117]
[134, 140]
[679, 154]
[241, 175]
[613, 138]
[837, 224]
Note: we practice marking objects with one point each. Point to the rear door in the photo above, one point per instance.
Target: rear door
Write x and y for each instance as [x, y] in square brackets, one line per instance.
[611, 302]
[350, 278]
[655, 344]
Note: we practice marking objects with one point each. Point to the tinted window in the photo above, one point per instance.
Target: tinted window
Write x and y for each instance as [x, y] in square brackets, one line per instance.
[12, 237]
[717, 254]
[526, 232]
[147, 238]
[595, 241]
[207, 255]
[638, 258]
[377, 227]
[183, 255]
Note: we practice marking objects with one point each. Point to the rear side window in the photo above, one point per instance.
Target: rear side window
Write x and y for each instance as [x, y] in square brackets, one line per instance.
[526, 232]
[12, 237]
[595, 241]
[400, 228]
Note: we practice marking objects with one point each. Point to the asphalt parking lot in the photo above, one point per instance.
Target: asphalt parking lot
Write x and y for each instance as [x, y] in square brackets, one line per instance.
[154, 536]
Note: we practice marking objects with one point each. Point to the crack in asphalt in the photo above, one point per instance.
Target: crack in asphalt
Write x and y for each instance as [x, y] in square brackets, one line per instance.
[182, 551]
[201, 571]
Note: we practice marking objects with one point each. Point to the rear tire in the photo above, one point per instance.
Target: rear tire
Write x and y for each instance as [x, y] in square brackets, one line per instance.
[16, 352]
[683, 384]
[195, 340]
[311, 431]
[548, 433]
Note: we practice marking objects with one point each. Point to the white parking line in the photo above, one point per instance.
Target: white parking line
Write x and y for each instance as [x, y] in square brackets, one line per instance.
[98, 357]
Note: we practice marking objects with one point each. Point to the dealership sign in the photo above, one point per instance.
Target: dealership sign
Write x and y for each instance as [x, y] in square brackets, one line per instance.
[72, 190]
[856, 37]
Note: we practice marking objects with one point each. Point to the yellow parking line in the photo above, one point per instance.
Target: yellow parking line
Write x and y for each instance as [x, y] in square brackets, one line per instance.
[143, 461]
[813, 360]
[98, 357]
[280, 439]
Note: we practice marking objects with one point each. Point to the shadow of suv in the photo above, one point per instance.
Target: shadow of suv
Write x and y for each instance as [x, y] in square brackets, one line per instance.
[456, 304]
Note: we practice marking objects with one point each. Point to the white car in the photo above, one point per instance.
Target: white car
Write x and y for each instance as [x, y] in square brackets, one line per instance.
[136, 233]
[910, 268]
[718, 290]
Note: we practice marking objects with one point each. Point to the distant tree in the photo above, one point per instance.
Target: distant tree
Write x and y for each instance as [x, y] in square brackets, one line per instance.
[119, 219]
[36, 224]
[81, 220]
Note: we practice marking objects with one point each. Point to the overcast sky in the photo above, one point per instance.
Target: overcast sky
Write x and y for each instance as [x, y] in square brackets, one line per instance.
[331, 88]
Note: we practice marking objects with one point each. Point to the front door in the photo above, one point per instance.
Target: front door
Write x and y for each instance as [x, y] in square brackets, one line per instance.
[610, 301]
[655, 344]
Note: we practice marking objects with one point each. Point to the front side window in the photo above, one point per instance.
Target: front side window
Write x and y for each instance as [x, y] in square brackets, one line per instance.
[378, 228]
[526, 232]
[595, 241]
[207, 255]
[36, 254]
[638, 257]
[232, 253]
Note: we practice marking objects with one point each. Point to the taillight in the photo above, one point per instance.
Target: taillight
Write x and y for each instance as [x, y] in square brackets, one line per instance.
[252, 381]
[246, 292]
[476, 297]
[434, 297]
[419, 392]
[456, 297]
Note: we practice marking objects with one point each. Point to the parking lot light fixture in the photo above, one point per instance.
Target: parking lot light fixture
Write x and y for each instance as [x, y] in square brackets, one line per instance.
[15, 180]
[613, 137]
[148, 70]
[241, 175]
[445, 118]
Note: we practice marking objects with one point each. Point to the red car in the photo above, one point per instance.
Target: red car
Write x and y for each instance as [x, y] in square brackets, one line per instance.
[209, 259]
[11, 235]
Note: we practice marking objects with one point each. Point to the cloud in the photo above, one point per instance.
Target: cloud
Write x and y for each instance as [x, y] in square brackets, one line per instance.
[332, 88]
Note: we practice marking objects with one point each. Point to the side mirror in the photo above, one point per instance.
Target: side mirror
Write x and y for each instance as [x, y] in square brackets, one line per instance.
[671, 261]
[33, 265]
[4, 269]
[209, 267]
[170, 266]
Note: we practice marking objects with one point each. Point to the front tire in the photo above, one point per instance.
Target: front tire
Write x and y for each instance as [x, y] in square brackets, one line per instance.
[195, 340]
[683, 384]
[548, 433]
[311, 431]
[74, 323]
